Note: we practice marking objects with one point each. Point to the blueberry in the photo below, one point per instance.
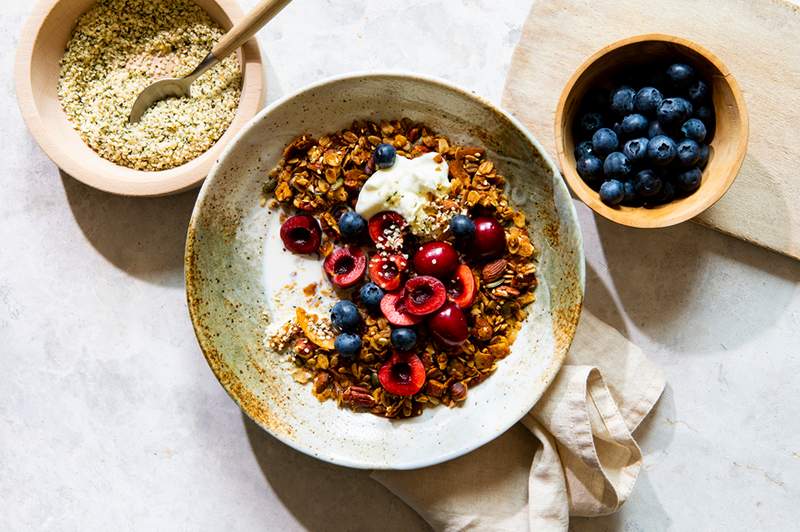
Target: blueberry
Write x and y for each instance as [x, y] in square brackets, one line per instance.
[352, 225]
[371, 295]
[462, 227]
[404, 339]
[596, 99]
[698, 91]
[661, 150]
[345, 316]
[705, 152]
[704, 113]
[680, 75]
[630, 193]
[604, 141]
[583, 149]
[667, 193]
[634, 125]
[616, 165]
[689, 181]
[612, 192]
[694, 129]
[688, 153]
[385, 154]
[636, 149]
[590, 122]
[647, 101]
[622, 100]
[590, 168]
[674, 111]
[347, 344]
[647, 184]
[655, 129]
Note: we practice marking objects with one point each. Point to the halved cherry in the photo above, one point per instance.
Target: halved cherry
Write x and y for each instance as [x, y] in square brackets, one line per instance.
[386, 270]
[393, 306]
[438, 259]
[462, 287]
[424, 294]
[402, 374]
[345, 266]
[386, 229]
[301, 234]
[449, 325]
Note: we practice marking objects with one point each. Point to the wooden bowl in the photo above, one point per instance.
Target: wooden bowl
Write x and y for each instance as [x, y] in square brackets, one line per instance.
[42, 44]
[728, 146]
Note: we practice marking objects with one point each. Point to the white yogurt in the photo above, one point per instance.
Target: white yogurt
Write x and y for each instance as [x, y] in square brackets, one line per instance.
[405, 187]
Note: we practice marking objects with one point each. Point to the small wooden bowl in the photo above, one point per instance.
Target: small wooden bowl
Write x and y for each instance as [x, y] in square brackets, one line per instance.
[42, 44]
[728, 146]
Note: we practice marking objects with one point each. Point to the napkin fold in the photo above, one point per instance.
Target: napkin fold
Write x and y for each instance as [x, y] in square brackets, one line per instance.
[577, 456]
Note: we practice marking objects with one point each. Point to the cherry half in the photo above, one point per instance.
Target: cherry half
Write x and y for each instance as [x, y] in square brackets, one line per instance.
[402, 374]
[489, 240]
[393, 306]
[462, 287]
[386, 271]
[301, 234]
[386, 229]
[438, 259]
[449, 325]
[345, 266]
[424, 294]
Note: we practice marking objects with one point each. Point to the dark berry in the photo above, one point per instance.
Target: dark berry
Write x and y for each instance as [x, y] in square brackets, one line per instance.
[689, 181]
[590, 168]
[661, 150]
[604, 141]
[647, 184]
[622, 100]
[636, 149]
[596, 100]
[583, 149]
[404, 339]
[698, 92]
[667, 193]
[371, 295]
[462, 227]
[704, 113]
[616, 165]
[612, 192]
[705, 152]
[352, 225]
[688, 153]
[345, 316]
[634, 125]
[680, 75]
[347, 345]
[590, 122]
[655, 129]
[673, 112]
[647, 101]
[630, 193]
[385, 155]
[694, 129]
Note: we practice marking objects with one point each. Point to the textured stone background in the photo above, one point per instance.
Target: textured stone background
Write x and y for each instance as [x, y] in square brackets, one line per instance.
[110, 418]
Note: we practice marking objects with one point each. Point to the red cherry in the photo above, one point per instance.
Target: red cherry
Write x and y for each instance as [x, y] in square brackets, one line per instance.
[424, 294]
[438, 259]
[449, 325]
[386, 271]
[490, 238]
[386, 229]
[402, 374]
[463, 287]
[345, 266]
[301, 234]
[393, 306]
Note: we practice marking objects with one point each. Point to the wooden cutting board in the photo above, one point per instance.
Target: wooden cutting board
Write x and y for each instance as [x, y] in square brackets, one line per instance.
[759, 41]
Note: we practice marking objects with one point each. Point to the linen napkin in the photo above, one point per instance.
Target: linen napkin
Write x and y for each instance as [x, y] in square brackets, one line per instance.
[577, 456]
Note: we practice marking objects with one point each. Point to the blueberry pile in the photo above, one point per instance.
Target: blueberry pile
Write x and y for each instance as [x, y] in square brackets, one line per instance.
[645, 142]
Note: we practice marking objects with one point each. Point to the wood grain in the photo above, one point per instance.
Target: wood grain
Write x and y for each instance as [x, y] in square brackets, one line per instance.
[757, 41]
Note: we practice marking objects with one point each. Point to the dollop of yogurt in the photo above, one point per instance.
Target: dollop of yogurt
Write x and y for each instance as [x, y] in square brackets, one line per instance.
[406, 187]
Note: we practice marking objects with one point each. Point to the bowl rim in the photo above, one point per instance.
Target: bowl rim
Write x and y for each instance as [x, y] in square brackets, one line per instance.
[546, 378]
[589, 197]
[128, 181]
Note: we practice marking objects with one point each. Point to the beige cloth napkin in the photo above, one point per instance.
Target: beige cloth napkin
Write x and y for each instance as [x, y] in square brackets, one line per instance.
[577, 456]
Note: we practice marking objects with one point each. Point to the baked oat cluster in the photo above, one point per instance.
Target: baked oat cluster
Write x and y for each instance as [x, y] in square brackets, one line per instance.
[428, 303]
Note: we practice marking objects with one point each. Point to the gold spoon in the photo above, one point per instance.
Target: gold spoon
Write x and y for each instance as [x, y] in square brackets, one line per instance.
[237, 36]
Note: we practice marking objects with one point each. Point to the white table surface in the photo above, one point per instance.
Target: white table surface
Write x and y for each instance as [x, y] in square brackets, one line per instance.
[110, 418]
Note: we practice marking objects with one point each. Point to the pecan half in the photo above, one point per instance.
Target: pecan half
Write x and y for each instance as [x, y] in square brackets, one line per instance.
[358, 396]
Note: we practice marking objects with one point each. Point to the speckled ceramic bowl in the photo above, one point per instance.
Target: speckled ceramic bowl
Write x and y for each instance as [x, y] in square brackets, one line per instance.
[228, 276]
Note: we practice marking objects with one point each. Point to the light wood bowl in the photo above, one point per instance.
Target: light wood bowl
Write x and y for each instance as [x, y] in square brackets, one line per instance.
[41, 46]
[728, 146]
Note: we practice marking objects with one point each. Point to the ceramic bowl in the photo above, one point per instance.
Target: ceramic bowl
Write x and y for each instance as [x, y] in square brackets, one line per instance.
[233, 275]
[728, 146]
[41, 46]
